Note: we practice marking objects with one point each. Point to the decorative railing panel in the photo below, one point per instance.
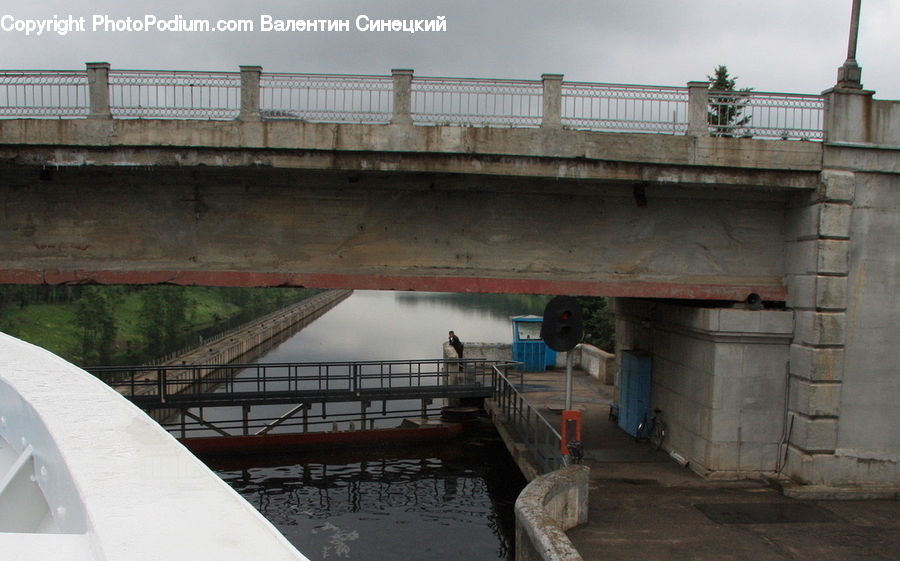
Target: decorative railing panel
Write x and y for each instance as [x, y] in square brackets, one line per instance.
[326, 98]
[174, 95]
[766, 115]
[473, 102]
[44, 93]
[617, 107]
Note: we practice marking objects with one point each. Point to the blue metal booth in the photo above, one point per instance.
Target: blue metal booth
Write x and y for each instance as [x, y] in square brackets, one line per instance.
[528, 347]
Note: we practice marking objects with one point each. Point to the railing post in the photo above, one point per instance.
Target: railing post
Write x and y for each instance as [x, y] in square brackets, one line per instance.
[98, 90]
[698, 108]
[161, 380]
[402, 96]
[250, 93]
[552, 101]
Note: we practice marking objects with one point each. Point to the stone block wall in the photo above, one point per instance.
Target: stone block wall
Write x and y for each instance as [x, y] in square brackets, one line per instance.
[719, 376]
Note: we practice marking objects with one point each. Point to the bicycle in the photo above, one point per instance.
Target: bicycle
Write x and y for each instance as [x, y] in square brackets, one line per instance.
[653, 429]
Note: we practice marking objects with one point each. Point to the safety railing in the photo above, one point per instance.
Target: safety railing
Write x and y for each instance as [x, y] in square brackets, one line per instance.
[766, 115]
[44, 93]
[403, 98]
[474, 102]
[617, 107]
[174, 95]
[211, 385]
[539, 436]
[326, 98]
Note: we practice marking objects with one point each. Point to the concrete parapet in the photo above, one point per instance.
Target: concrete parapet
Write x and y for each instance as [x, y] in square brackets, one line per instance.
[546, 508]
[596, 362]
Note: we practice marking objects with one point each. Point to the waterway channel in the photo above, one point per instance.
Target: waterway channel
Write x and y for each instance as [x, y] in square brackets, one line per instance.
[447, 501]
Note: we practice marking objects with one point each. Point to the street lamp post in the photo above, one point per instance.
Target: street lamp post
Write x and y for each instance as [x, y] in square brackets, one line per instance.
[850, 73]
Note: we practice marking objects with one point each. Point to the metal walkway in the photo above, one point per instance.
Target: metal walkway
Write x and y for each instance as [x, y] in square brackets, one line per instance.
[216, 385]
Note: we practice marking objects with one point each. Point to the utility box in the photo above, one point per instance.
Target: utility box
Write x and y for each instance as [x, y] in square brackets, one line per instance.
[528, 347]
[634, 390]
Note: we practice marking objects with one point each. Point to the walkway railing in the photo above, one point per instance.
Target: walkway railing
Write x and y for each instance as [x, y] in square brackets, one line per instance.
[542, 440]
[402, 98]
[211, 385]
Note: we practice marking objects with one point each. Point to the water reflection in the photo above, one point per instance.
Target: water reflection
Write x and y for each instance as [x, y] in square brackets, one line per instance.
[373, 325]
[438, 503]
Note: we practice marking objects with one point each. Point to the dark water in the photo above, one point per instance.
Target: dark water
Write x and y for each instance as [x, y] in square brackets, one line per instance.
[449, 501]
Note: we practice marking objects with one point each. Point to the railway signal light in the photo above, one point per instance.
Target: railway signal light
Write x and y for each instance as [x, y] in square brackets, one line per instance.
[562, 327]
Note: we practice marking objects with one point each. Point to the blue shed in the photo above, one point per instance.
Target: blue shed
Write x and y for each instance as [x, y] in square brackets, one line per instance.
[528, 347]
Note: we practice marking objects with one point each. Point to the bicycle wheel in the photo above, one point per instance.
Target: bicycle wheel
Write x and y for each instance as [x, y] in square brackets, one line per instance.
[657, 435]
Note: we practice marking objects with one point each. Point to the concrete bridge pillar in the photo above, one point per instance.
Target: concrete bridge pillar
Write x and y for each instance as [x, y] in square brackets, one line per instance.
[250, 93]
[402, 96]
[98, 90]
[552, 101]
[842, 265]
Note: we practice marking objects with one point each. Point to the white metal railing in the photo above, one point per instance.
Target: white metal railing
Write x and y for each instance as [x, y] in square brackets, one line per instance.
[326, 98]
[766, 115]
[619, 107]
[44, 93]
[174, 95]
[404, 98]
[476, 102]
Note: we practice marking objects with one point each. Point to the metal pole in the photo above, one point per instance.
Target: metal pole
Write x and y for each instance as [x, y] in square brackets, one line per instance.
[854, 30]
[569, 359]
[850, 73]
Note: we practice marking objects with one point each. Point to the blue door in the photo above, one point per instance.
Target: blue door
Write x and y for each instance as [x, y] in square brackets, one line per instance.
[634, 390]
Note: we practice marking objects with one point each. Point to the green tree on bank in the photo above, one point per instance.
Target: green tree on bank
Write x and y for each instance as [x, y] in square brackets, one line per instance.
[96, 325]
[106, 325]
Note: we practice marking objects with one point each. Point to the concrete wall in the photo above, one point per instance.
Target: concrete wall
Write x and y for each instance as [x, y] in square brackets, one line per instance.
[844, 287]
[719, 376]
[545, 509]
[592, 360]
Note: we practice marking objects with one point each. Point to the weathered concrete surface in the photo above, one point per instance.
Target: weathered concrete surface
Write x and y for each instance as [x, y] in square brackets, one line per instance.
[844, 387]
[643, 505]
[396, 207]
[545, 509]
[719, 375]
[204, 225]
[484, 150]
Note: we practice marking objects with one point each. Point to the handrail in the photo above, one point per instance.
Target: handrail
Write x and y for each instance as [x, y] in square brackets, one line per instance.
[541, 438]
[224, 384]
[379, 99]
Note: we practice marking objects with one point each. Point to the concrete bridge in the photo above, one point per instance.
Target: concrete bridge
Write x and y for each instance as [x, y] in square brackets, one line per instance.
[400, 182]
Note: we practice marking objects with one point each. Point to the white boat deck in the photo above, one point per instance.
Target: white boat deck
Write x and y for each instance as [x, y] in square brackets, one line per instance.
[85, 475]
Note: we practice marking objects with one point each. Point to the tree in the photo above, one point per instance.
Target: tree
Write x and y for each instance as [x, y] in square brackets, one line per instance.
[164, 317]
[726, 104]
[96, 322]
[599, 322]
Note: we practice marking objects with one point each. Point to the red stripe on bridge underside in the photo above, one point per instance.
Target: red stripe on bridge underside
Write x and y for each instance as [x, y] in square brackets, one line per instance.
[769, 291]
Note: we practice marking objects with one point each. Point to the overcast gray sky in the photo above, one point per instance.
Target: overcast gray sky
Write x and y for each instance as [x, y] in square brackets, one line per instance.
[771, 45]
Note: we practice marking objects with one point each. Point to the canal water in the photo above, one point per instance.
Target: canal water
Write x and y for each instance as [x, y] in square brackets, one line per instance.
[442, 502]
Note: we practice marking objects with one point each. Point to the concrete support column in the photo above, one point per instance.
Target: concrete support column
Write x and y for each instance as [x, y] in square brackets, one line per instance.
[98, 90]
[250, 93]
[698, 108]
[552, 101]
[402, 96]
[818, 258]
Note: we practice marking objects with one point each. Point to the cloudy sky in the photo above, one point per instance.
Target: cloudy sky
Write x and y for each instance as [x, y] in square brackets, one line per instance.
[771, 45]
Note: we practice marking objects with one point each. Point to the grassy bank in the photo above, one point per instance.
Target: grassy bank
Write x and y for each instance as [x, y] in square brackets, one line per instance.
[142, 323]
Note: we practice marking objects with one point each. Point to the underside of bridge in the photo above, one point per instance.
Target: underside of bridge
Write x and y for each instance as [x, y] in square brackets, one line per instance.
[258, 226]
